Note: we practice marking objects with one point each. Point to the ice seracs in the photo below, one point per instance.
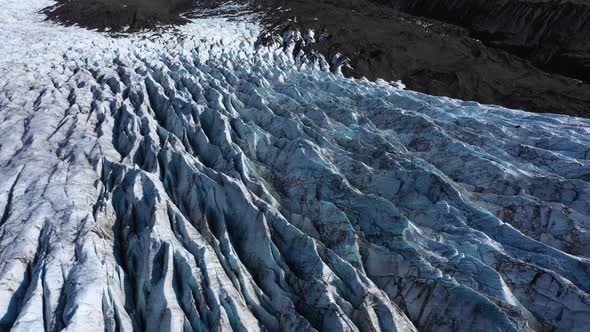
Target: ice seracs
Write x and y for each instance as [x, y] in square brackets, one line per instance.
[190, 180]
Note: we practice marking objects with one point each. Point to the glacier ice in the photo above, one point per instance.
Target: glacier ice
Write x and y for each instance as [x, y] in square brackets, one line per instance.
[190, 180]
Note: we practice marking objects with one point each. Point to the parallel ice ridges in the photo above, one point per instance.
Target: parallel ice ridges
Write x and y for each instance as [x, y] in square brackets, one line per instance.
[208, 136]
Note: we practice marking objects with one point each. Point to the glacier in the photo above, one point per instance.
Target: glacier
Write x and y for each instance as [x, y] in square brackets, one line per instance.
[198, 178]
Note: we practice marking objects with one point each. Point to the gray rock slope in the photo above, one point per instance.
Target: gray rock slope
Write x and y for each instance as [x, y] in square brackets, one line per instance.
[193, 181]
[553, 34]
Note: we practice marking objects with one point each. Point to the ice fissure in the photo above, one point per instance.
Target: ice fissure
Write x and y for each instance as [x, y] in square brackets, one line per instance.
[198, 180]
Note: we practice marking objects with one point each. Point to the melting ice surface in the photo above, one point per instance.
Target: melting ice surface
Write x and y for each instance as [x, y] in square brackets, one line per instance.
[188, 180]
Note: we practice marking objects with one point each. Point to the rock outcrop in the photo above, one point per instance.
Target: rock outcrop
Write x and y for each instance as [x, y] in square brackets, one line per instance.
[553, 34]
[119, 15]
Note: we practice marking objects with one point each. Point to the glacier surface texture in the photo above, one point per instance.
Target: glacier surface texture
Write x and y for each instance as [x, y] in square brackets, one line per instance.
[193, 179]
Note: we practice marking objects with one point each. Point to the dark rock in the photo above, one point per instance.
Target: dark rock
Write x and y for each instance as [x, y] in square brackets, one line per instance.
[430, 56]
[118, 15]
[552, 34]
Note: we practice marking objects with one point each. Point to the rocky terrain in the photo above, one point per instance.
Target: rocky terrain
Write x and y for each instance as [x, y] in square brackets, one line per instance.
[216, 177]
[428, 55]
[551, 33]
[381, 42]
[118, 15]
